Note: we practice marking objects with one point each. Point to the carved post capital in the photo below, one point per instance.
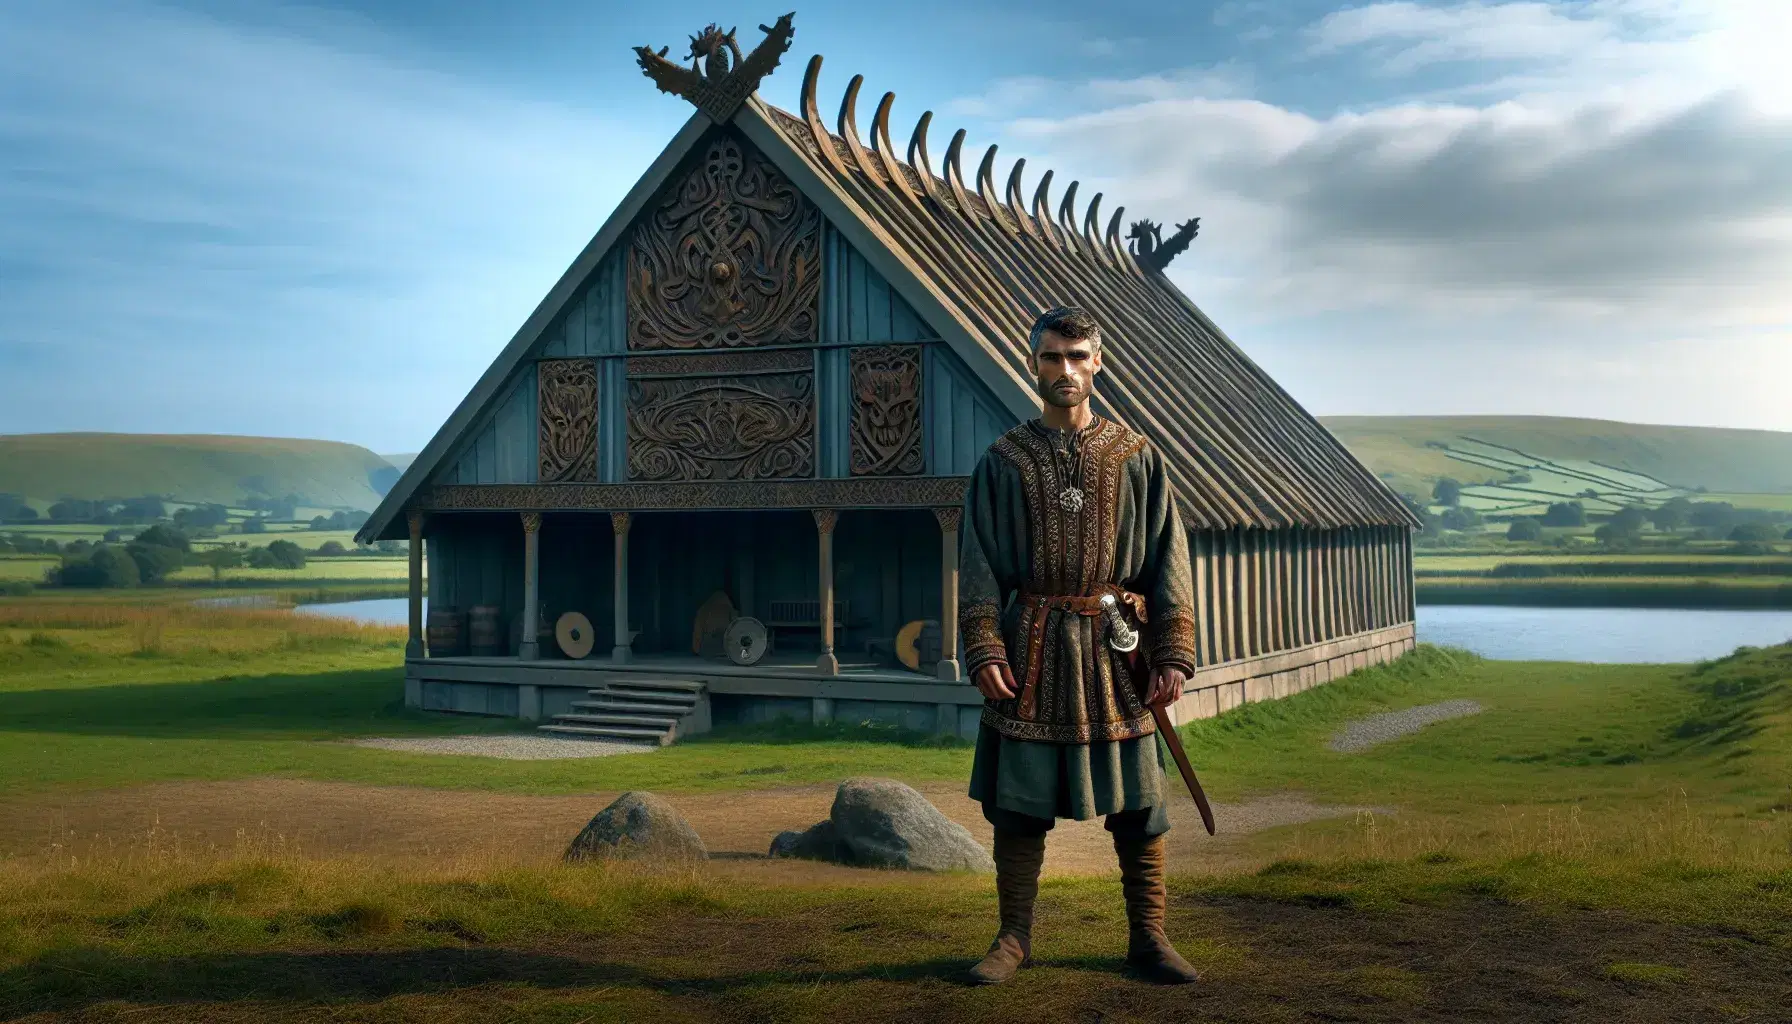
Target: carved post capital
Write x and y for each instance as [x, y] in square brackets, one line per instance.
[825, 519]
[619, 523]
[531, 522]
[413, 518]
[949, 518]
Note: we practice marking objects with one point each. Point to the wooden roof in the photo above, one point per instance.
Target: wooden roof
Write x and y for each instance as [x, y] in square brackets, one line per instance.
[980, 268]
[1242, 452]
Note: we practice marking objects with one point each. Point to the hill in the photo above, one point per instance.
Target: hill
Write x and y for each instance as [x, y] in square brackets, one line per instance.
[1412, 452]
[191, 468]
[400, 462]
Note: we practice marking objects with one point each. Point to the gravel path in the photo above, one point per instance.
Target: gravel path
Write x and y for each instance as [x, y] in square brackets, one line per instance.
[1376, 729]
[514, 748]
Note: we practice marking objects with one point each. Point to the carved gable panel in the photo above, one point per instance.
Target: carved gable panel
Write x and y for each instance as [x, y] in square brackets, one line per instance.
[748, 427]
[886, 410]
[567, 392]
[727, 256]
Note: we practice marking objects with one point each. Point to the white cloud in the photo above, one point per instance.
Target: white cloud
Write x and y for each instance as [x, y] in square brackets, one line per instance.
[1610, 191]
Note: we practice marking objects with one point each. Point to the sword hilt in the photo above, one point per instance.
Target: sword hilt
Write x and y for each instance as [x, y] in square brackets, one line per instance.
[1121, 637]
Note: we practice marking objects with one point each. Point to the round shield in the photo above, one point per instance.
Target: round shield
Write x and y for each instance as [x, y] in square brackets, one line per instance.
[745, 640]
[908, 649]
[574, 634]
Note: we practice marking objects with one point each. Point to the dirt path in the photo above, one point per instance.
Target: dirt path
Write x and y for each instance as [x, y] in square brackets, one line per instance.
[330, 819]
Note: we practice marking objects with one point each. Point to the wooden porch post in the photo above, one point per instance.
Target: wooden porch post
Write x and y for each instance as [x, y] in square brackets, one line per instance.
[530, 648]
[949, 521]
[413, 647]
[624, 649]
[825, 518]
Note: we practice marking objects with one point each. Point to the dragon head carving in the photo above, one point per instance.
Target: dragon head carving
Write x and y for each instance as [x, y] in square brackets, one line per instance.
[716, 50]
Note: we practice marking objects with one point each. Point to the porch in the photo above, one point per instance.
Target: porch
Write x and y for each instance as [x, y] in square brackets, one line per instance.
[777, 687]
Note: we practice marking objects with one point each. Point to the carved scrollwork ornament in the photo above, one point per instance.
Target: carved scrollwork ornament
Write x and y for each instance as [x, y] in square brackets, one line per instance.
[729, 256]
[619, 523]
[949, 518]
[566, 394]
[826, 519]
[531, 522]
[717, 428]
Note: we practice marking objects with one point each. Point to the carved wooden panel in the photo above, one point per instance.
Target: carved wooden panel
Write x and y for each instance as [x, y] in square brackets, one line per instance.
[728, 256]
[722, 428]
[886, 410]
[567, 392]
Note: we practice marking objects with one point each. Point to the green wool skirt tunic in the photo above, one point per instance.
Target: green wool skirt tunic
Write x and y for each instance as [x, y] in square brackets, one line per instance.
[1068, 780]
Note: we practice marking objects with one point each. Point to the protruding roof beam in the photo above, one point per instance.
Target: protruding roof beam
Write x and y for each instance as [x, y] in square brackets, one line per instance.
[880, 145]
[986, 187]
[1042, 210]
[955, 175]
[1017, 204]
[918, 159]
[849, 127]
[1066, 222]
[812, 117]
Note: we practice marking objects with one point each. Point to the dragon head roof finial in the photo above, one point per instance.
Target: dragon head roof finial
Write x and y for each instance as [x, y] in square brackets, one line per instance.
[719, 79]
[714, 48]
[1149, 247]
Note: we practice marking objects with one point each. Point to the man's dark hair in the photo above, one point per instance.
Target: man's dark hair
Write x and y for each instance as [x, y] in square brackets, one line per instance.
[1072, 322]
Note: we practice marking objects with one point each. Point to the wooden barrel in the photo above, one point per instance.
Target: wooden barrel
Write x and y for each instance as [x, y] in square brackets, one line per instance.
[484, 634]
[930, 645]
[444, 632]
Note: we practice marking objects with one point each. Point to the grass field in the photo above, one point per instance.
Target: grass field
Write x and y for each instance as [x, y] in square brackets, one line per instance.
[1410, 451]
[192, 468]
[316, 570]
[1602, 843]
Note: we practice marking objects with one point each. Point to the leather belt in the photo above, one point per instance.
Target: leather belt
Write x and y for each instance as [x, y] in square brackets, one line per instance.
[1087, 605]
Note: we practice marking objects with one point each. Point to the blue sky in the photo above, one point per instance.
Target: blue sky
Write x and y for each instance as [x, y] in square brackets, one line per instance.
[323, 220]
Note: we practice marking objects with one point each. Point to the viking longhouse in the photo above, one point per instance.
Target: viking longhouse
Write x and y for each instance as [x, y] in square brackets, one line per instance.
[717, 474]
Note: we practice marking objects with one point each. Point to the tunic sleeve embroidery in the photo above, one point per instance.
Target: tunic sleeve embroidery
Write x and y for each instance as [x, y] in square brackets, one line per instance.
[981, 594]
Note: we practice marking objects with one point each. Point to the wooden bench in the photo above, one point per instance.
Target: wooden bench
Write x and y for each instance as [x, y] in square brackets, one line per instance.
[802, 614]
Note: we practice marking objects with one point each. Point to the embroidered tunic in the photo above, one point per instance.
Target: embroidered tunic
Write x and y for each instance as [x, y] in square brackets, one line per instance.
[1025, 539]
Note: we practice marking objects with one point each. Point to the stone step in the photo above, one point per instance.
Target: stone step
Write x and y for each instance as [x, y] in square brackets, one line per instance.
[610, 732]
[637, 693]
[645, 681]
[599, 717]
[637, 707]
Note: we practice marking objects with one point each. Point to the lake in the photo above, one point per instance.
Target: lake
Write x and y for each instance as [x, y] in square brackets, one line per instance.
[1613, 635]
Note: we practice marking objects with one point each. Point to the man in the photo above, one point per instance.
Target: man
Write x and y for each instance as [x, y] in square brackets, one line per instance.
[1062, 510]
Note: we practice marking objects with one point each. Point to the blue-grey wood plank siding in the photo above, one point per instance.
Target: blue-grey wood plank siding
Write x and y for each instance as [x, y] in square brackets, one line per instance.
[858, 305]
[962, 417]
[502, 448]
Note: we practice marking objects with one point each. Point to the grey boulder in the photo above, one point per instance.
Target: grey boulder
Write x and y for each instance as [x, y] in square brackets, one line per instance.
[637, 825]
[882, 823]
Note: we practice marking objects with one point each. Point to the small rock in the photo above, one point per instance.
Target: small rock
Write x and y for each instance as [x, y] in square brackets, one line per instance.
[818, 842]
[637, 825]
[886, 824]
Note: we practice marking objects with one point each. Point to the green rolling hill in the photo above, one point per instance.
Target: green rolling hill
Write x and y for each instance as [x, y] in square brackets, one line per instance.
[191, 468]
[1625, 462]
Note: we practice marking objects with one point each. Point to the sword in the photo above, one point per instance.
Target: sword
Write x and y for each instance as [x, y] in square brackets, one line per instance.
[1125, 639]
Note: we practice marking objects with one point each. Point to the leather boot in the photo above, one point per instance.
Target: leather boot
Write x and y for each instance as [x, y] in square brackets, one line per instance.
[1148, 950]
[1017, 884]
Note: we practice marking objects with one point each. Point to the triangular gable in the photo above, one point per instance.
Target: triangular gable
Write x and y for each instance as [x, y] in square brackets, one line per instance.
[477, 401]
[927, 311]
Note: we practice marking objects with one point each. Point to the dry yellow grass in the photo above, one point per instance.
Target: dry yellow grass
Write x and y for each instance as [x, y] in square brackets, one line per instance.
[118, 627]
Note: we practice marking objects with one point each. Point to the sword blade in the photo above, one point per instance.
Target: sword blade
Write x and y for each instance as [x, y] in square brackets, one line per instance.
[1174, 742]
